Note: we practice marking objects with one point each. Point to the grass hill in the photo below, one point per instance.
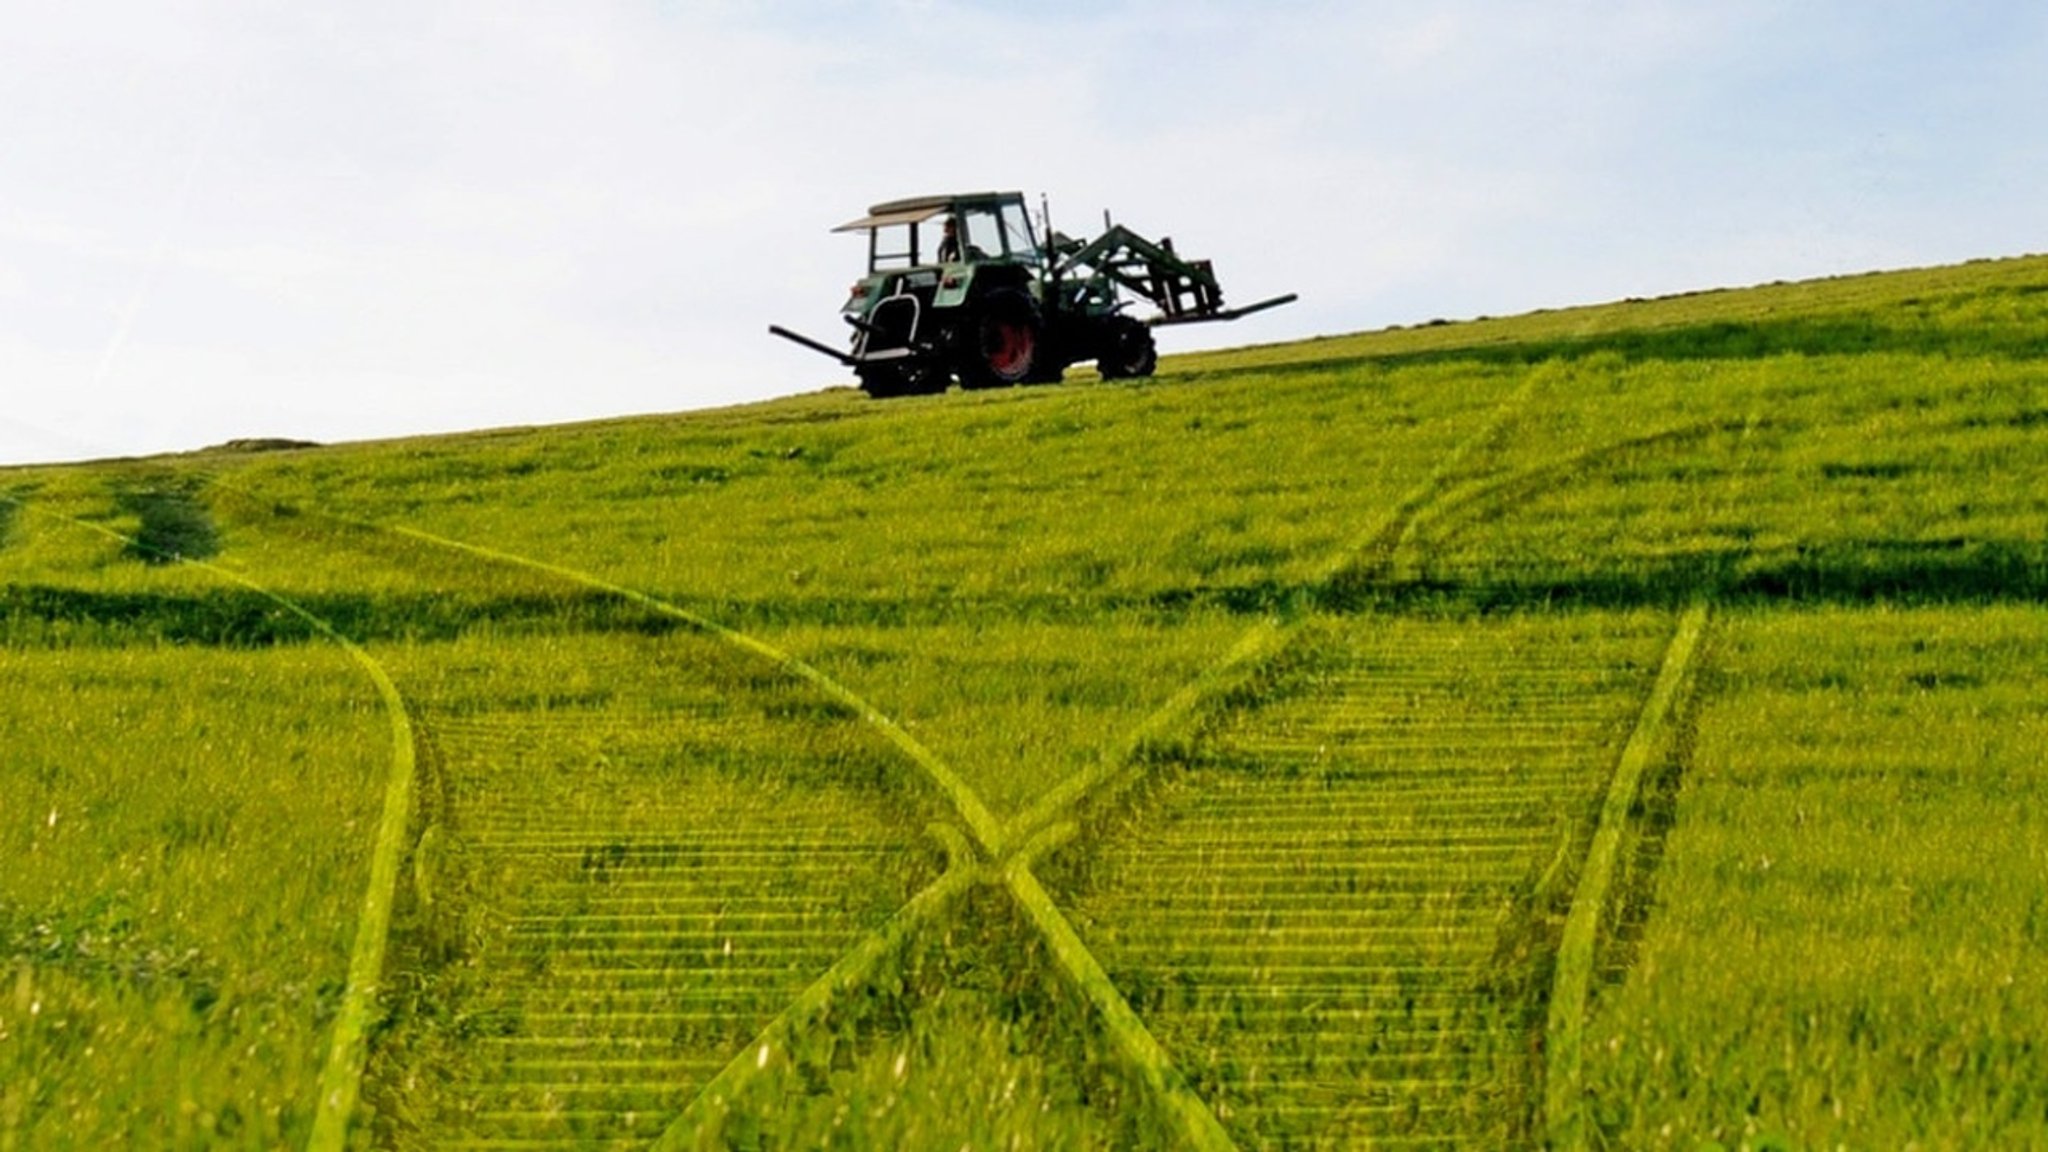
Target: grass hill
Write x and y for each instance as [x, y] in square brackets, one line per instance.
[1608, 726]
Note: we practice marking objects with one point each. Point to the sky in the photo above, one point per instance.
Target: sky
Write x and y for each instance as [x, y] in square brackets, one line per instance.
[224, 219]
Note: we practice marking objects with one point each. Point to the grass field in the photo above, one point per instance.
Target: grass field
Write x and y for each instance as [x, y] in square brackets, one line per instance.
[1605, 727]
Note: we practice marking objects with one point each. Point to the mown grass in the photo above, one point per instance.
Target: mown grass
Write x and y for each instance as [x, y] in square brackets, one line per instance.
[1984, 305]
[968, 1040]
[186, 840]
[984, 537]
[1021, 579]
[1850, 921]
[1073, 497]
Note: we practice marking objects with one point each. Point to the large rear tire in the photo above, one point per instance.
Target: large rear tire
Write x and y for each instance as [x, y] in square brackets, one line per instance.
[1007, 341]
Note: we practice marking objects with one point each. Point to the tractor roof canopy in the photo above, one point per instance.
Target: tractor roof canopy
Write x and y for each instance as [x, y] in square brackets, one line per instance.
[918, 209]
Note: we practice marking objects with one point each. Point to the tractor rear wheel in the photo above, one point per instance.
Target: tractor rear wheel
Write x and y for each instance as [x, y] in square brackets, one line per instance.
[1006, 341]
[1131, 351]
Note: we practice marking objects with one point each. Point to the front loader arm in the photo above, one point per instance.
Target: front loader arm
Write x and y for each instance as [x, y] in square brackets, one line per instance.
[1183, 289]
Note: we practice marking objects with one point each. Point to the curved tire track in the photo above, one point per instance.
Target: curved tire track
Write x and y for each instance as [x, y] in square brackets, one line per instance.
[1336, 914]
[1009, 850]
[672, 859]
[1330, 917]
[342, 1073]
[1564, 1115]
[1399, 1083]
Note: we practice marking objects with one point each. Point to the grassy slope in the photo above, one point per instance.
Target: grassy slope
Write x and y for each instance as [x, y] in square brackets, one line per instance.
[186, 837]
[1851, 914]
[1022, 577]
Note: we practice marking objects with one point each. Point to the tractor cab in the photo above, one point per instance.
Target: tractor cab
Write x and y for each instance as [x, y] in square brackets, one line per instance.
[932, 230]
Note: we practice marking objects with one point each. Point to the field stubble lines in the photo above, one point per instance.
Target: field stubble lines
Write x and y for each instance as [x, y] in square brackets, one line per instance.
[1007, 850]
[998, 841]
[644, 987]
[743, 892]
[341, 1074]
[1345, 917]
[1561, 712]
[1013, 843]
[699, 975]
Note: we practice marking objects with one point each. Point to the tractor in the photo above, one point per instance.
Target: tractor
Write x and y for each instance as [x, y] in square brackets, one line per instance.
[960, 287]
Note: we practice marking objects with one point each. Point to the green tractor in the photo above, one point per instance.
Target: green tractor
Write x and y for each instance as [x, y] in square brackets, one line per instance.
[960, 287]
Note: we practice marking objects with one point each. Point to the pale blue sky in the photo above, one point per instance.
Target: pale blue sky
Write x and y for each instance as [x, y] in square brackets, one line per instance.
[224, 219]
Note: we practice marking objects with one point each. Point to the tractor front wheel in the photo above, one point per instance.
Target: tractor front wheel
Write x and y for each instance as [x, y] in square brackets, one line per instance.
[1006, 343]
[1130, 352]
[882, 382]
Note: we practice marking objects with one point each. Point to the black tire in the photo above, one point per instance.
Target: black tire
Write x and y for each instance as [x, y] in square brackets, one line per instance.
[1131, 352]
[1006, 341]
[885, 381]
[881, 382]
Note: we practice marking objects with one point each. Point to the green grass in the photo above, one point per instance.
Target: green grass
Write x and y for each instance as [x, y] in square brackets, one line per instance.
[1850, 918]
[1295, 676]
[179, 898]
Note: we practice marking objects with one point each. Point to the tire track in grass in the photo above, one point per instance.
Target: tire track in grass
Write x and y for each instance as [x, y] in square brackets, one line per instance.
[673, 850]
[1326, 918]
[1371, 554]
[1083, 969]
[643, 937]
[1564, 1105]
[1012, 846]
[862, 959]
[1197, 1120]
[702, 1124]
[1357, 561]
[1411, 978]
[1385, 1063]
[1126, 763]
[341, 1075]
[1008, 856]
[980, 821]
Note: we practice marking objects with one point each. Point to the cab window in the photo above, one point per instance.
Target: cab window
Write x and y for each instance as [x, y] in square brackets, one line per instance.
[894, 246]
[1017, 240]
[984, 235]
